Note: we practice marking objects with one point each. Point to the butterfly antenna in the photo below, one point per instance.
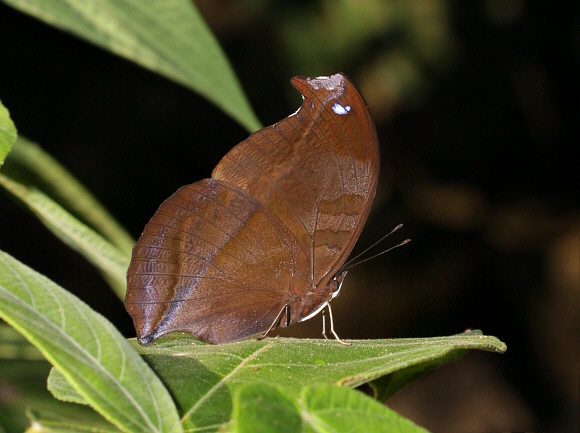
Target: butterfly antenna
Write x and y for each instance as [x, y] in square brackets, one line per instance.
[348, 265]
[376, 255]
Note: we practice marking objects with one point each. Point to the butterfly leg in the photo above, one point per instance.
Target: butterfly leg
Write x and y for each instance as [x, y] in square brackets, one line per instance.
[286, 309]
[324, 324]
[331, 326]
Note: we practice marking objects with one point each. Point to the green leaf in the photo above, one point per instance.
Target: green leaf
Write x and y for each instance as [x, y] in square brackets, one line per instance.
[106, 257]
[51, 421]
[386, 386]
[203, 378]
[37, 168]
[333, 409]
[59, 386]
[264, 408]
[93, 356]
[23, 372]
[166, 36]
[7, 133]
[261, 408]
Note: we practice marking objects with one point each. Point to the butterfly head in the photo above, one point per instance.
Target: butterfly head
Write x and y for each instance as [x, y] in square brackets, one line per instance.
[336, 284]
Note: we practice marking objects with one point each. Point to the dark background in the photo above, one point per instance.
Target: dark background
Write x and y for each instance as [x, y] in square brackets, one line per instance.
[476, 106]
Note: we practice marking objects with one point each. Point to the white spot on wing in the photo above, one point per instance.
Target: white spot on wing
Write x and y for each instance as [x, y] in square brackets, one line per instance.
[340, 109]
[333, 82]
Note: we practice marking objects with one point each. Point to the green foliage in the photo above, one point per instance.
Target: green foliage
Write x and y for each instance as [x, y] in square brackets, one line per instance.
[93, 356]
[100, 252]
[178, 383]
[7, 133]
[204, 379]
[166, 36]
[260, 408]
[31, 166]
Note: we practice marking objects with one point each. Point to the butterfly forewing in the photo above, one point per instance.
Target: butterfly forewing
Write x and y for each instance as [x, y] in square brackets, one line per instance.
[316, 170]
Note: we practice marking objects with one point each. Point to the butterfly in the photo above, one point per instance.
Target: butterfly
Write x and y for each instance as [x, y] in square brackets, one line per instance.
[261, 243]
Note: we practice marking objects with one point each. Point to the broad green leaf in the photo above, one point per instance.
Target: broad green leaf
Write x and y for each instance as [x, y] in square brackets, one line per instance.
[203, 378]
[264, 408]
[7, 133]
[261, 408]
[333, 409]
[93, 356]
[106, 257]
[166, 36]
[29, 161]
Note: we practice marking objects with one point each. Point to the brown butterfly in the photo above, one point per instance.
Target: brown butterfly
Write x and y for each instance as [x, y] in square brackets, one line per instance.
[260, 243]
